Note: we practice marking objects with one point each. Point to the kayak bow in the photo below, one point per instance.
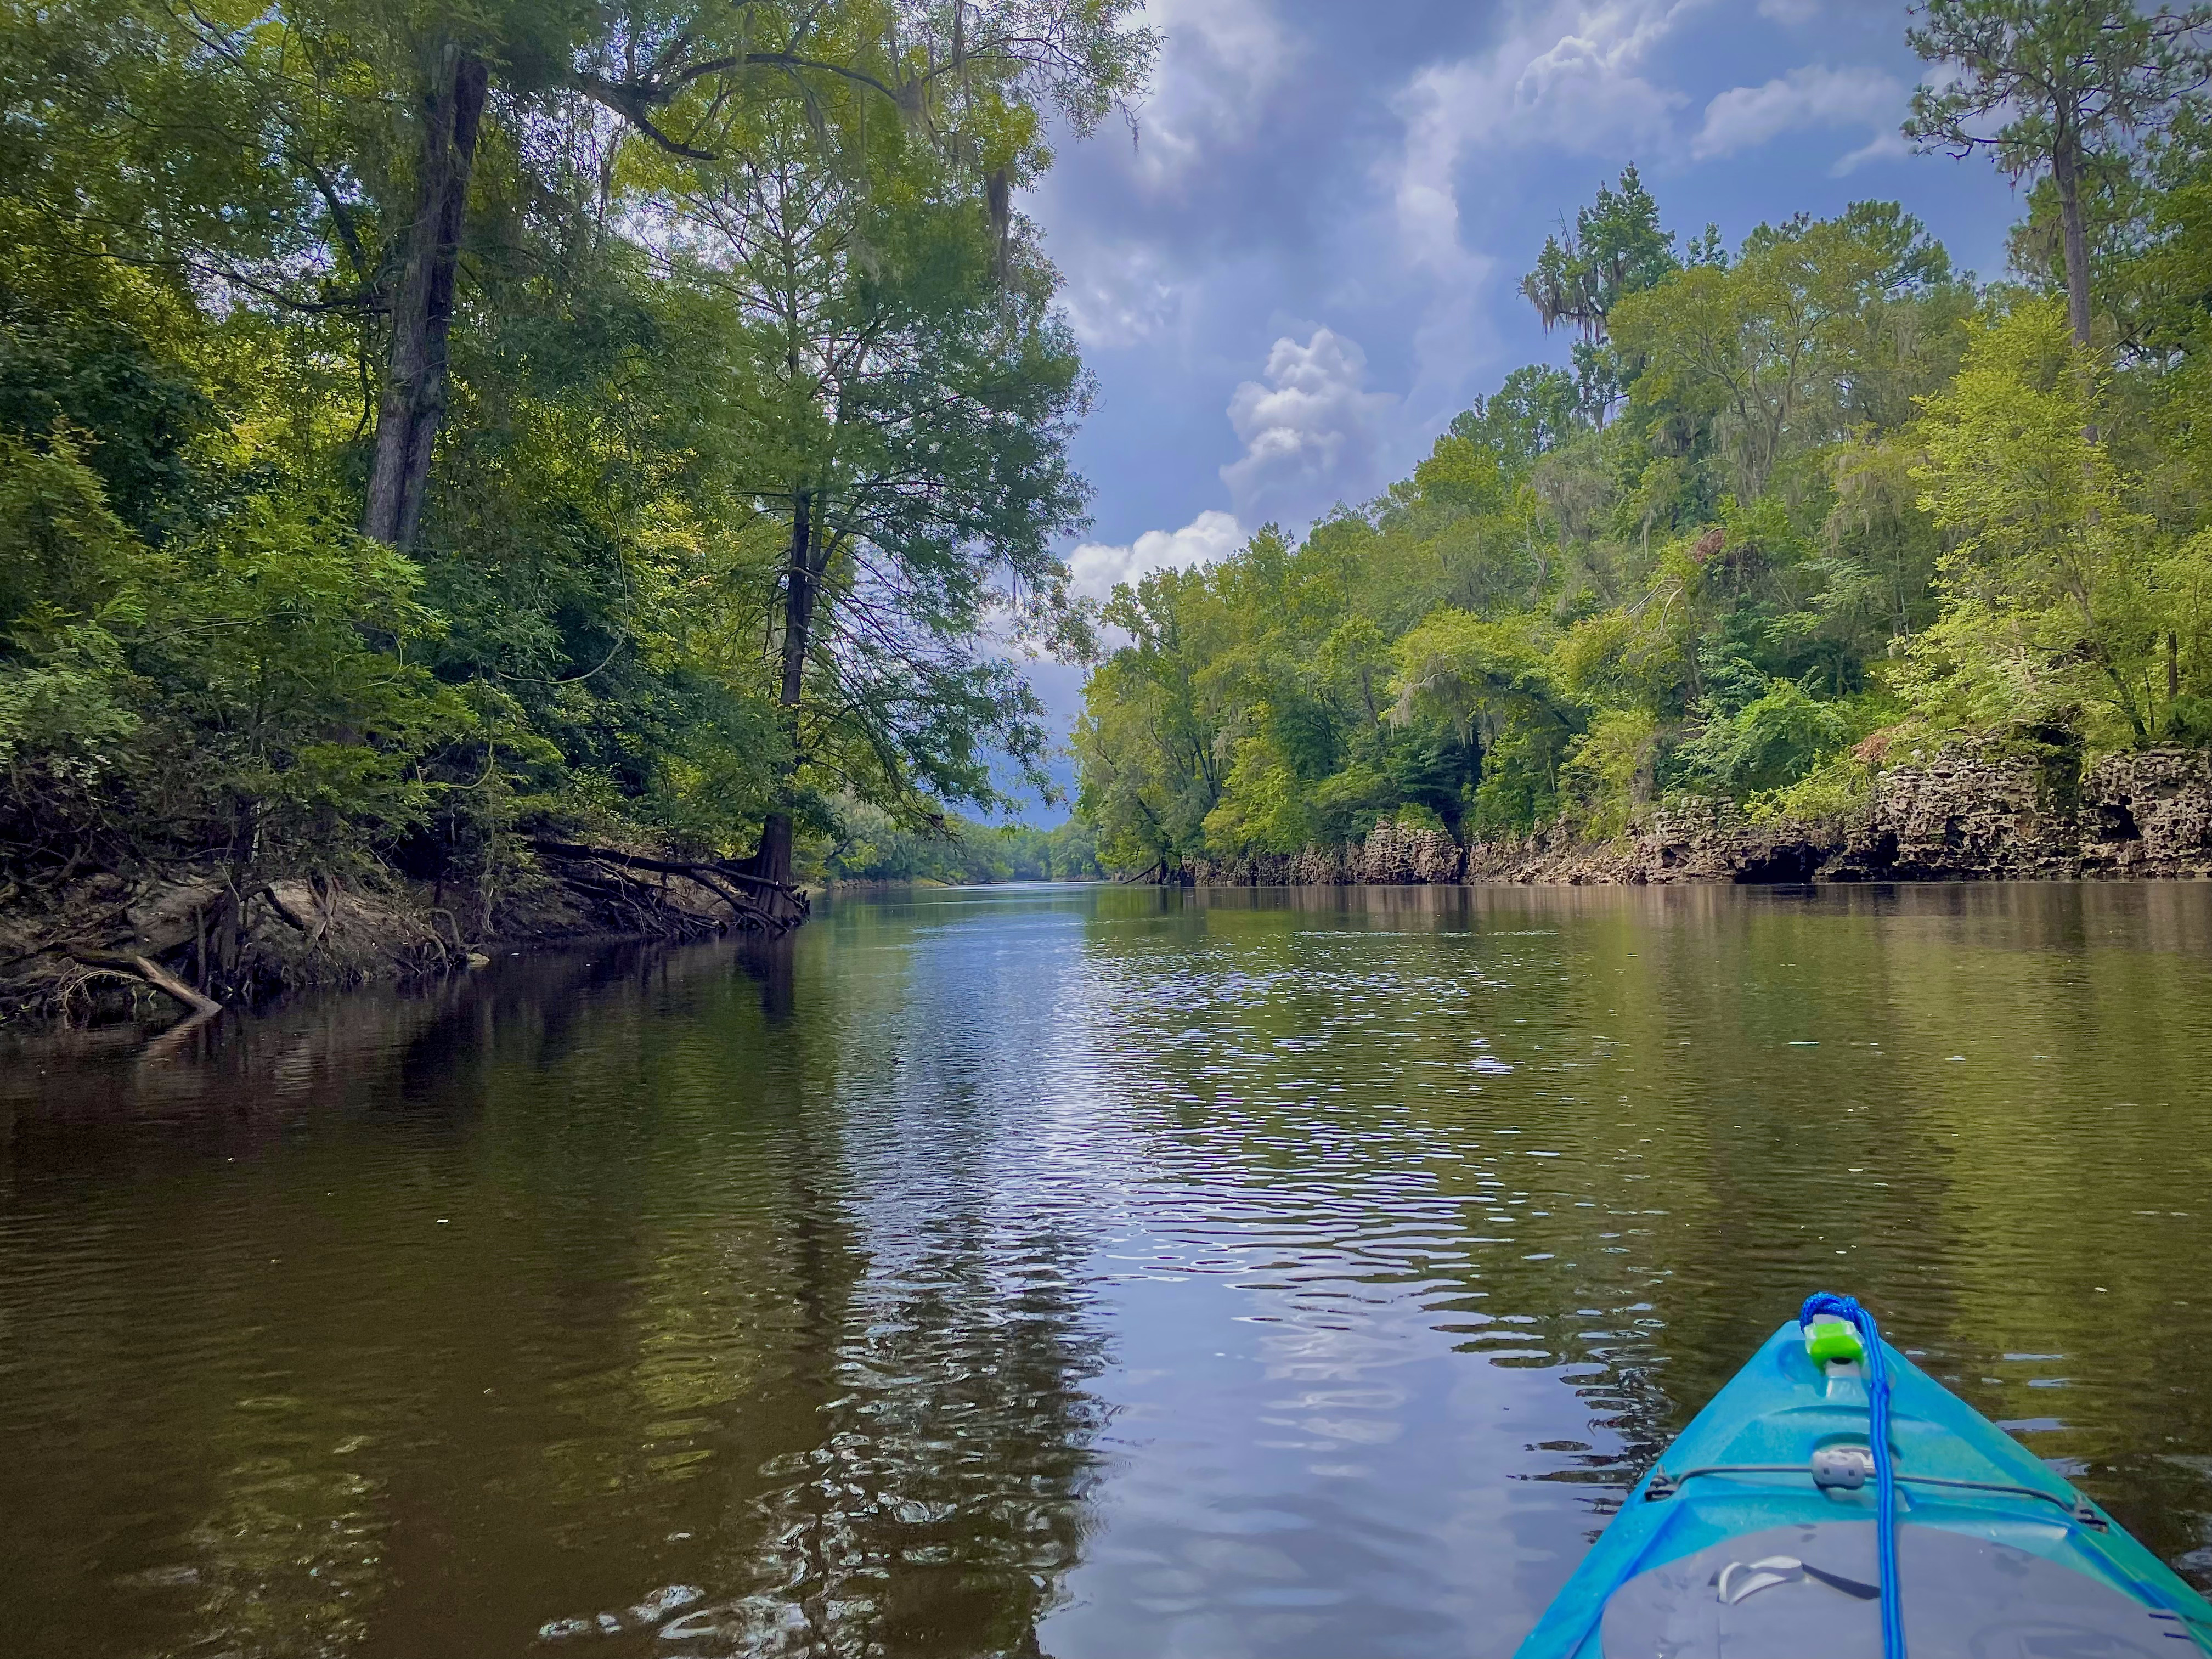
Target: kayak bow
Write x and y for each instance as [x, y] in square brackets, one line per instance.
[1761, 1531]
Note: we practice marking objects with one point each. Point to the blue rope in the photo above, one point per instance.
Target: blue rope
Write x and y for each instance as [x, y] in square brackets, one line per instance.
[1885, 1473]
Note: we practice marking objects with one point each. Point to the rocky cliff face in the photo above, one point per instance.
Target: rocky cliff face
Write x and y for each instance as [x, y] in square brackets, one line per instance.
[1970, 811]
[1976, 812]
[1698, 840]
[2150, 814]
[1393, 855]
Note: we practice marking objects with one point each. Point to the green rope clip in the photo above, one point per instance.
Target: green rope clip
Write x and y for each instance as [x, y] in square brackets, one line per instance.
[1832, 1341]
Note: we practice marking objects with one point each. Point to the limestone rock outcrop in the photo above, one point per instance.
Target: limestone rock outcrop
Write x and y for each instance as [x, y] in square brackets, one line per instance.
[1973, 811]
[1393, 855]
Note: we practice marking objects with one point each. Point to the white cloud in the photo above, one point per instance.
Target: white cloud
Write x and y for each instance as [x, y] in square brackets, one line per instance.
[1790, 11]
[1221, 63]
[1743, 117]
[1098, 566]
[1309, 433]
[1564, 77]
[1887, 144]
[1121, 293]
[1219, 60]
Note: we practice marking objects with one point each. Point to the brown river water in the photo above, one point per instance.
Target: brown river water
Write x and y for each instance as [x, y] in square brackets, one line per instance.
[1075, 1271]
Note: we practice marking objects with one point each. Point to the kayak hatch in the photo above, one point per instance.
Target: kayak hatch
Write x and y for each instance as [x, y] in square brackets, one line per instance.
[1755, 1534]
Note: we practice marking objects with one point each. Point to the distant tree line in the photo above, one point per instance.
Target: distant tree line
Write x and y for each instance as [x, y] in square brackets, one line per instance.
[874, 846]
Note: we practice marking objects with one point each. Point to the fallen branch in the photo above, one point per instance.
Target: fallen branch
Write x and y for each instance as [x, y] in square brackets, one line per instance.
[144, 968]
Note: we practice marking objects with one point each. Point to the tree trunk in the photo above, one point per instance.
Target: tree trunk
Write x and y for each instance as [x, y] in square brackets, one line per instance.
[2066, 174]
[773, 857]
[413, 405]
[199, 1007]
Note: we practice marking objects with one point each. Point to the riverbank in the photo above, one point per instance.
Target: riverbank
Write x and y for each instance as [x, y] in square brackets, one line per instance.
[1969, 811]
[151, 940]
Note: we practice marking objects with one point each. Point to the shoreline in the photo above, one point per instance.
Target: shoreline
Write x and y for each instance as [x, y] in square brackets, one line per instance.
[133, 944]
[1971, 811]
[134, 999]
[142, 942]
[119, 949]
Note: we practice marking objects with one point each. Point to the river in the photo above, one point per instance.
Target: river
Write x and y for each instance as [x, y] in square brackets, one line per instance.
[1090, 1272]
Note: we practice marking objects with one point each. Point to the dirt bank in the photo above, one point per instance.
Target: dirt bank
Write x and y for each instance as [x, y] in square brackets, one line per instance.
[154, 941]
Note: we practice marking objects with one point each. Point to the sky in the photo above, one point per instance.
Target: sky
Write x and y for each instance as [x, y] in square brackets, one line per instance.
[1305, 259]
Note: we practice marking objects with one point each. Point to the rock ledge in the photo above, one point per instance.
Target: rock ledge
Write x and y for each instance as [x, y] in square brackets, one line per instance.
[1970, 811]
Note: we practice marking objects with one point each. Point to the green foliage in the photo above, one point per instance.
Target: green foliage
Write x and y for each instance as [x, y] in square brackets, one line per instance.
[1838, 791]
[282, 641]
[2061, 593]
[1771, 741]
[250, 682]
[1611, 773]
[1847, 493]
[872, 845]
[207, 216]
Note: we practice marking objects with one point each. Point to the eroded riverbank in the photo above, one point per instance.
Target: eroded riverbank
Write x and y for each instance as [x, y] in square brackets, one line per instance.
[152, 941]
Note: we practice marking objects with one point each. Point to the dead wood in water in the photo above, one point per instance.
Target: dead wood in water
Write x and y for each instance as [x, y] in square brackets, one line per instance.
[763, 904]
[144, 968]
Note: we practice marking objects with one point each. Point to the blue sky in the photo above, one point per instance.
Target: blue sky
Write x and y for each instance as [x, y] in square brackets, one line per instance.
[1305, 261]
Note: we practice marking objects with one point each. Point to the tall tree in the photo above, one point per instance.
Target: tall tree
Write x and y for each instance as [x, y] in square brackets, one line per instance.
[671, 76]
[2053, 84]
[1615, 248]
[902, 395]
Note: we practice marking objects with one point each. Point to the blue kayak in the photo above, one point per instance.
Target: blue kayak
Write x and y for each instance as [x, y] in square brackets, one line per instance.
[1758, 1533]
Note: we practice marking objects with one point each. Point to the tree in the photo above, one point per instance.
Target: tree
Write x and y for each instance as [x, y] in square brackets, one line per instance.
[1151, 745]
[1616, 248]
[901, 395]
[1482, 677]
[1798, 340]
[660, 71]
[324, 156]
[2058, 593]
[1533, 413]
[2069, 81]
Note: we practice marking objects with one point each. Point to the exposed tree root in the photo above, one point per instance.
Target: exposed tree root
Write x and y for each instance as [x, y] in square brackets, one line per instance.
[763, 905]
[93, 944]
